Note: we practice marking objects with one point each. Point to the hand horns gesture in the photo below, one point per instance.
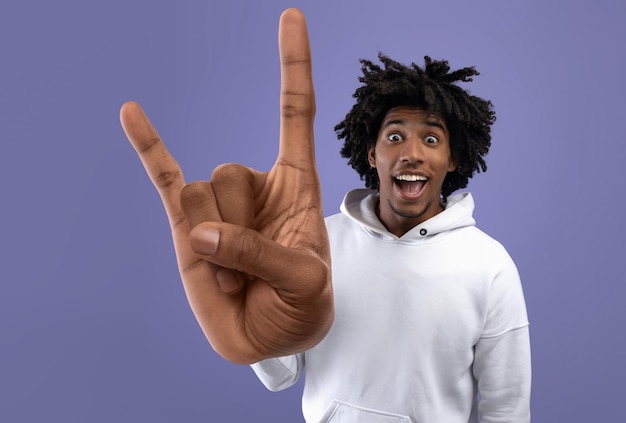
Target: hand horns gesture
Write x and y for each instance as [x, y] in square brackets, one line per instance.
[252, 247]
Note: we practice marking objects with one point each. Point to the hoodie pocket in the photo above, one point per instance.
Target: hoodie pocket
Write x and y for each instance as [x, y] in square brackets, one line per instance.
[342, 412]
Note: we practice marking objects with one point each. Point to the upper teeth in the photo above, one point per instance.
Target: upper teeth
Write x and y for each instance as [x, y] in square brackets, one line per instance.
[411, 178]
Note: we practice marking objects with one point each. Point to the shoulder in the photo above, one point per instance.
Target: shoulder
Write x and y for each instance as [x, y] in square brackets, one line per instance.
[476, 237]
[339, 223]
[494, 253]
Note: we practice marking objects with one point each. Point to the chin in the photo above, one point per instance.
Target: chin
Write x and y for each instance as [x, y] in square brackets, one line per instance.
[411, 213]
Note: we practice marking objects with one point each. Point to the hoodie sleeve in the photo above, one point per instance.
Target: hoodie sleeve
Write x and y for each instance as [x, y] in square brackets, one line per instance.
[502, 363]
[281, 372]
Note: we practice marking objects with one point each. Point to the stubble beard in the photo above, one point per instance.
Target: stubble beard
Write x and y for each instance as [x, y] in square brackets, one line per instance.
[407, 215]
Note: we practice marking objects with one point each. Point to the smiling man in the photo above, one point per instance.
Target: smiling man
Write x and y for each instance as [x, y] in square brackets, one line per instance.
[412, 158]
[424, 320]
[430, 319]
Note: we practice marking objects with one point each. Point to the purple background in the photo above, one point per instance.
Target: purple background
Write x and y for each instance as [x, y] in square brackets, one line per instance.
[94, 325]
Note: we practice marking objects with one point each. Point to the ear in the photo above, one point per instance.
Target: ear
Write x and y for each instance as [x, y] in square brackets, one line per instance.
[371, 156]
[453, 163]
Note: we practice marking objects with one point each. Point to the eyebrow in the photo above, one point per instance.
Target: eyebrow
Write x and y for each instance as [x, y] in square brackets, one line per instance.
[392, 122]
[436, 123]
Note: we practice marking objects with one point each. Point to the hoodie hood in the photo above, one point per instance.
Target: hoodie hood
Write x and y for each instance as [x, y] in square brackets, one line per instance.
[360, 206]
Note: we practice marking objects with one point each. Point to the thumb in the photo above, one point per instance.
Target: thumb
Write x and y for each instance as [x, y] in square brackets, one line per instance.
[245, 250]
[205, 242]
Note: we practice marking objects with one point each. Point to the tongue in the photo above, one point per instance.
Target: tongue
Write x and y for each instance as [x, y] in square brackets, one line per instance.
[411, 187]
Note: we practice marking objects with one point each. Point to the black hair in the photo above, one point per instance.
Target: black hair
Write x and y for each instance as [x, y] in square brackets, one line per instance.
[433, 88]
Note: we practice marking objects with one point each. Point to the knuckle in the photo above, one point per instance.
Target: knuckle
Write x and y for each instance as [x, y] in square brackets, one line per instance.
[247, 251]
[295, 110]
[229, 173]
[178, 220]
[316, 276]
[149, 144]
[193, 190]
[166, 179]
[297, 104]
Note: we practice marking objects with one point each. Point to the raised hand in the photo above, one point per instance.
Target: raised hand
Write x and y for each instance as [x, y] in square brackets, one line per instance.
[252, 247]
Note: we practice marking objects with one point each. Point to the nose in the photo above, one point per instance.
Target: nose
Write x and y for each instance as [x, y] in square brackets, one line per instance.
[412, 151]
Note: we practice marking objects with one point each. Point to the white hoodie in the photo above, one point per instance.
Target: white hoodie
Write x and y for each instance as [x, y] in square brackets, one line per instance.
[425, 325]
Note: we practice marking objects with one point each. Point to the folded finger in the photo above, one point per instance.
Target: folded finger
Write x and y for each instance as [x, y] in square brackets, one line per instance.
[198, 203]
[233, 185]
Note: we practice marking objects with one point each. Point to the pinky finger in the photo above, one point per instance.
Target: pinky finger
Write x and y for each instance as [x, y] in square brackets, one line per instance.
[161, 167]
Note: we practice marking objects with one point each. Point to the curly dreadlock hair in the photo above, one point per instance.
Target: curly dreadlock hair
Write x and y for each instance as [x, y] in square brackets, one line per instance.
[433, 88]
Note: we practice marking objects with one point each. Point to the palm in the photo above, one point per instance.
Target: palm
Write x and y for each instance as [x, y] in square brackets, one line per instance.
[272, 239]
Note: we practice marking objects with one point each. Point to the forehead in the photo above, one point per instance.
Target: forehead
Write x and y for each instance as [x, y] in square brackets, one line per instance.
[406, 115]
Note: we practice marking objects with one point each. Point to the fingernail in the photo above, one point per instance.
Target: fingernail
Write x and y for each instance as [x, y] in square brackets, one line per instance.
[227, 279]
[208, 239]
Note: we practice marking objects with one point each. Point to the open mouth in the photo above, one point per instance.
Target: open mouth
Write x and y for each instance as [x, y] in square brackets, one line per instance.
[410, 185]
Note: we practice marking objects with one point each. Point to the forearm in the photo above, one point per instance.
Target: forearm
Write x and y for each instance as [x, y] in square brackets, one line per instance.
[502, 367]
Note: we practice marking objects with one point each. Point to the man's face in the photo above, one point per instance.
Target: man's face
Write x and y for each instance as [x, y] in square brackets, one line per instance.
[412, 157]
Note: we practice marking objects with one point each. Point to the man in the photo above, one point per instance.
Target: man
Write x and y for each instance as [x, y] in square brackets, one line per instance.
[428, 311]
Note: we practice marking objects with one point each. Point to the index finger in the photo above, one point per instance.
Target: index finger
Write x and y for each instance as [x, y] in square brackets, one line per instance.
[297, 98]
[163, 170]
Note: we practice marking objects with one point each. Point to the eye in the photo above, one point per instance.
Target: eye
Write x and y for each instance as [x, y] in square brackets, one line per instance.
[431, 139]
[394, 137]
